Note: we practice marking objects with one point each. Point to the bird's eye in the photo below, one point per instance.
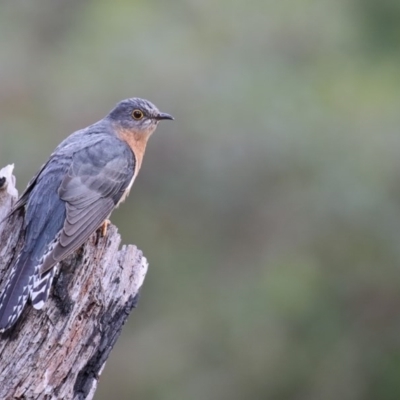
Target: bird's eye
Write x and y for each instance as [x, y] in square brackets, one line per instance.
[137, 114]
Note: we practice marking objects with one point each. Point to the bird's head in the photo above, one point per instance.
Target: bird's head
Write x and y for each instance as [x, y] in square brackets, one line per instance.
[137, 116]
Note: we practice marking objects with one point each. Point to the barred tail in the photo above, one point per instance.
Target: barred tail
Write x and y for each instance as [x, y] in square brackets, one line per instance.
[16, 291]
[40, 290]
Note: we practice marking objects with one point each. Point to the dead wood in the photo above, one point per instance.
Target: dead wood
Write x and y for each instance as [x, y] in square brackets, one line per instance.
[60, 351]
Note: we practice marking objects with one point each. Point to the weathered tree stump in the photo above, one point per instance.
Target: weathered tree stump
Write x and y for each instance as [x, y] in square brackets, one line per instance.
[60, 351]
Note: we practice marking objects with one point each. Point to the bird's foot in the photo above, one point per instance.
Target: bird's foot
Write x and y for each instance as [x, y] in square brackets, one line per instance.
[103, 228]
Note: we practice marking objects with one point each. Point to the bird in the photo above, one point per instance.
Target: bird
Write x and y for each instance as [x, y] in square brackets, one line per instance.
[87, 176]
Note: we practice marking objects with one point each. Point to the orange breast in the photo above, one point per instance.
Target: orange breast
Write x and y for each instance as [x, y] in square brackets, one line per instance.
[137, 141]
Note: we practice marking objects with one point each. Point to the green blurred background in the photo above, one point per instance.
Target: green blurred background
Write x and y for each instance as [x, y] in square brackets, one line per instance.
[269, 210]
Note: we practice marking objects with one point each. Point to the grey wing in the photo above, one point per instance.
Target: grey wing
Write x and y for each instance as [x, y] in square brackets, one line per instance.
[23, 199]
[94, 184]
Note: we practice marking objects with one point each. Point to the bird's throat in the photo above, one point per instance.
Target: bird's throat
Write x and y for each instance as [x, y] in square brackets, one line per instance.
[137, 141]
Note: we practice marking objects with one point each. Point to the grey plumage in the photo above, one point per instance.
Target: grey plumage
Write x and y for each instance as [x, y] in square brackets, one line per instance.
[93, 184]
[69, 198]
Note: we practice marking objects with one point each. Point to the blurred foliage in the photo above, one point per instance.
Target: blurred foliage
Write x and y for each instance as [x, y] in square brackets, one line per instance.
[269, 210]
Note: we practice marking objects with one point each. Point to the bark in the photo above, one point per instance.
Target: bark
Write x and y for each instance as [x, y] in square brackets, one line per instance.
[60, 351]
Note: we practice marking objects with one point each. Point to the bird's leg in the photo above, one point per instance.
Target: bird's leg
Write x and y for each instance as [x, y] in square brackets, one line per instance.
[104, 226]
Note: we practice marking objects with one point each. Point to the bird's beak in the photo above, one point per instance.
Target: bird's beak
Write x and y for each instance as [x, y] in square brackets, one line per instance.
[161, 116]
